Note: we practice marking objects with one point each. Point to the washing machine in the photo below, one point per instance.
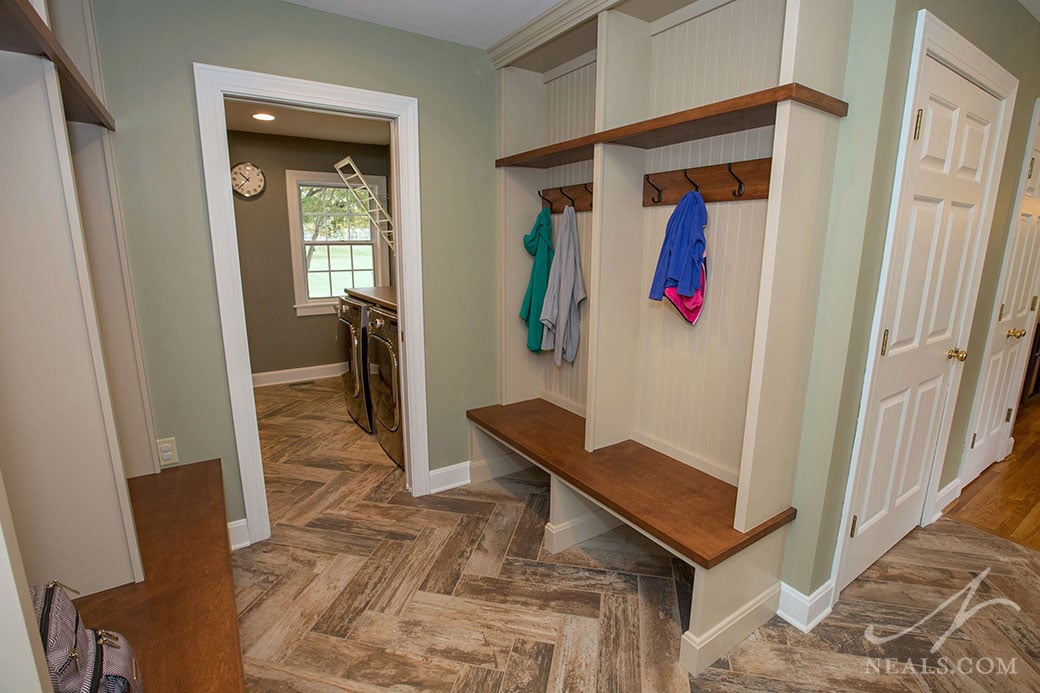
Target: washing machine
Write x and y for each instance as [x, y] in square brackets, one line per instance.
[384, 382]
[353, 325]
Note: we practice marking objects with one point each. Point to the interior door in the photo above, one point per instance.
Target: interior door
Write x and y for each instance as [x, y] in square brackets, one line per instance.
[1013, 319]
[927, 296]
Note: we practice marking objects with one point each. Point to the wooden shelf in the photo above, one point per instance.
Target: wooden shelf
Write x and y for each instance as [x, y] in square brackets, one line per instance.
[732, 115]
[22, 30]
[684, 508]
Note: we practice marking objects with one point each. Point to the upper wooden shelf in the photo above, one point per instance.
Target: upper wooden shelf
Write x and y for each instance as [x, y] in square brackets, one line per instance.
[22, 30]
[684, 508]
[732, 115]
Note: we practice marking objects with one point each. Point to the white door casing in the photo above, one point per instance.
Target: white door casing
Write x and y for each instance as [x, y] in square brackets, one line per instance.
[942, 205]
[212, 84]
[1013, 317]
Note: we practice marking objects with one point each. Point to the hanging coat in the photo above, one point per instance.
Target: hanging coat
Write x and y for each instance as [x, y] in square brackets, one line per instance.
[565, 293]
[539, 244]
[681, 267]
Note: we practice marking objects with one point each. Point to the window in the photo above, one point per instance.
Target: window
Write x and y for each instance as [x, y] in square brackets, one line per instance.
[334, 244]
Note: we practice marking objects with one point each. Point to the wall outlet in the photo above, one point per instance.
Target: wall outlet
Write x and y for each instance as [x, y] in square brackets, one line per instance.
[167, 451]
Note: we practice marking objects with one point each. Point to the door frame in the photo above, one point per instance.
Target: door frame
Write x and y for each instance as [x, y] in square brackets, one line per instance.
[212, 84]
[932, 38]
[976, 401]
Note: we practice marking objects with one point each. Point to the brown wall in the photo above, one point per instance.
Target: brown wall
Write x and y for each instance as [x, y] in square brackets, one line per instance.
[278, 339]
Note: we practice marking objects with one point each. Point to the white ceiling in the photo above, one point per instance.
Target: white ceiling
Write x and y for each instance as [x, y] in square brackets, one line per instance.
[302, 122]
[477, 23]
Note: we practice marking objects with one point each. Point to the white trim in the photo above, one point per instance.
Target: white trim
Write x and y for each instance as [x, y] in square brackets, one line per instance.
[449, 477]
[944, 497]
[562, 536]
[90, 318]
[212, 84]
[932, 38]
[569, 66]
[238, 534]
[304, 305]
[697, 653]
[685, 14]
[554, 22]
[803, 611]
[297, 375]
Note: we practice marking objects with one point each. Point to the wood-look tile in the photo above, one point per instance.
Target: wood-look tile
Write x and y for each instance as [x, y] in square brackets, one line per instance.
[574, 663]
[466, 506]
[577, 577]
[350, 660]
[528, 669]
[530, 530]
[477, 680]
[659, 636]
[329, 541]
[408, 574]
[368, 581]
[619, 660]
[491, 548]
[621, 549]
[561, 600]
[339, 523]
[518, 621]
[447, 569]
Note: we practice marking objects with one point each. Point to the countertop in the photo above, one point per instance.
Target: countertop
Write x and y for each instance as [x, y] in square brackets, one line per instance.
[384, 296]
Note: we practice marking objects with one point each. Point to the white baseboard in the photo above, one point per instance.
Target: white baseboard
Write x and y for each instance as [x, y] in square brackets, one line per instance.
[486, 470]
[238, 533]
[710, 468]
[697, 653]
[296, 375]
[565, 535]
[945, 496]
[803, 611]
[448, 477]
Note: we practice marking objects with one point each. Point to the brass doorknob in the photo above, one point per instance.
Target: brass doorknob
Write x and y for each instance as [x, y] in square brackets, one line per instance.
[958, 354]
[962, 356]
[1017, 334]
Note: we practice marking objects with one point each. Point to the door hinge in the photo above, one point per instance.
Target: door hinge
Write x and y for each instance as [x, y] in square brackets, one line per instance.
[974, 437]
[884, 342]
[1032, 162]
[1007, 417]
[917, 126]
[1032, 306]
[855, 519]
[1000, 315]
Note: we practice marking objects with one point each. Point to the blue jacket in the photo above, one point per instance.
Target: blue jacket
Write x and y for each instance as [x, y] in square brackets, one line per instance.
[679, 264]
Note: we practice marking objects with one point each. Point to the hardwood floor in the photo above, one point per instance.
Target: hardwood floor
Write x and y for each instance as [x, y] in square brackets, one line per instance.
[1005, 499]
[363, 587]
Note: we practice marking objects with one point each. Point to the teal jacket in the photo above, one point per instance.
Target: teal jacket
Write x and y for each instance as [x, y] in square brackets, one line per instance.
[539, 244]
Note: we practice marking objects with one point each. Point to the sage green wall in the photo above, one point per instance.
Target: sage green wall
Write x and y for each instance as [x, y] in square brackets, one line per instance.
[278, 338]
[146, 49]
[1010, 35]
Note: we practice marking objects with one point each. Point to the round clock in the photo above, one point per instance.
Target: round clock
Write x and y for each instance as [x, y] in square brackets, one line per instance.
[247, 179]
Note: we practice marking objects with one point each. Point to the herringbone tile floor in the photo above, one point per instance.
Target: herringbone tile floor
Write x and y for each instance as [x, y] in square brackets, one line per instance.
[364, 588]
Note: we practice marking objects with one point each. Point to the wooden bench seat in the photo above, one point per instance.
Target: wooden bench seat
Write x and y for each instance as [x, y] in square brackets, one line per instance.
[687, 510]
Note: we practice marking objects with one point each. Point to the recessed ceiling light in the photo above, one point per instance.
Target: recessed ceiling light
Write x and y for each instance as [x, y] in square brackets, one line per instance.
[263, 116]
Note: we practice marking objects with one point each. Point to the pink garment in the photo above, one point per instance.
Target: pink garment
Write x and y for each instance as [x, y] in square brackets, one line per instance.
[689, 307]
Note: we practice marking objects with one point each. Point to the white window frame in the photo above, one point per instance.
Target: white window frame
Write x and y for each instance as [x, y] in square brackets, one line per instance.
[303, 304]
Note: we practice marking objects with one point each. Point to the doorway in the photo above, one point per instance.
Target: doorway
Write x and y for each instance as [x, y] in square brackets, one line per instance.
[956, 122]
[213, 85]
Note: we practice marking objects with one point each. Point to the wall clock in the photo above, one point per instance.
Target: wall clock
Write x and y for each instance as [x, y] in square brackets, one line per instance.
[247, 179]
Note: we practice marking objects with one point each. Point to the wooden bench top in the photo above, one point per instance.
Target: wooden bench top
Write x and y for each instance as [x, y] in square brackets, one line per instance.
[684, 508]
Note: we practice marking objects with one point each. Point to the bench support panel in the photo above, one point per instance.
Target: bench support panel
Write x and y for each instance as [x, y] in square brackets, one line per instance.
[490, 459]
[573, 518]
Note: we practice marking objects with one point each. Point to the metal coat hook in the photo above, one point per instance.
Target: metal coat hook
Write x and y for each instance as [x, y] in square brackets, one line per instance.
[657, 198]
[567, 196]
[692, 182]
[739, 192]
[545, 199]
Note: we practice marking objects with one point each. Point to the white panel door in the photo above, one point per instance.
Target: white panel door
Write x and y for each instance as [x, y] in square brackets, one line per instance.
[1014, 316]
[928, 295]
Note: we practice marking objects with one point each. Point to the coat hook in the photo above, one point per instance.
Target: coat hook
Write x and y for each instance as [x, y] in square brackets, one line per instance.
[545, 200]
[739, 192]
[657, 198]
[567, 196]
[589, 191]
[692, 182]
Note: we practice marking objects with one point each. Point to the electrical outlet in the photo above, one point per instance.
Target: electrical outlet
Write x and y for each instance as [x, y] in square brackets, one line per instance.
[167, 451]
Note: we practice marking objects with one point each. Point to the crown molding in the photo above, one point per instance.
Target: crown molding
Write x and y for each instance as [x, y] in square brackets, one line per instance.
[551, 24]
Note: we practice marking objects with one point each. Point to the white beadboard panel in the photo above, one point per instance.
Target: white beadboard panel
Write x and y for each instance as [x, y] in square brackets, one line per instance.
[572, 104]
[567, 385]
[693, 380]
[721, 149]
[727, 52]
[569, 174]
